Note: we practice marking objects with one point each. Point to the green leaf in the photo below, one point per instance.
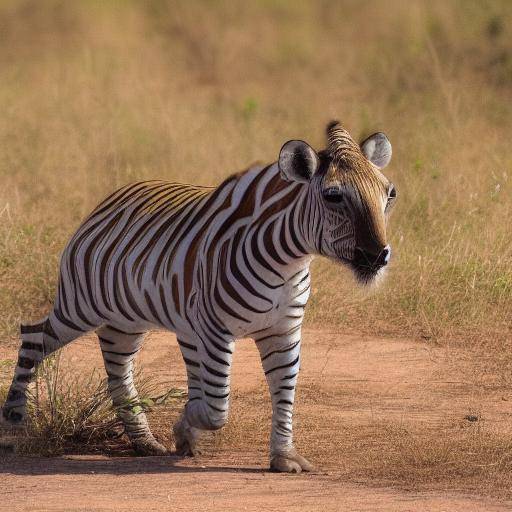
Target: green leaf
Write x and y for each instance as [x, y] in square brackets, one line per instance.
[137, 409]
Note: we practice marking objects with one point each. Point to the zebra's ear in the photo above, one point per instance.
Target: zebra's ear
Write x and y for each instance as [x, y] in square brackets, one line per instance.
[377, 149]
[298, 161]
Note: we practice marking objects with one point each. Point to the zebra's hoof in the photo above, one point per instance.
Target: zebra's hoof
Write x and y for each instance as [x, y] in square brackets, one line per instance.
[290, 462]
[12, 418]
[149, 447]
[185, 438]
[187, 449]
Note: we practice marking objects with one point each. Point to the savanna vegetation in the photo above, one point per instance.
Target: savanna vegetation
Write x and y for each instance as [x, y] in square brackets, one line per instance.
[95, 94]
[98, 93]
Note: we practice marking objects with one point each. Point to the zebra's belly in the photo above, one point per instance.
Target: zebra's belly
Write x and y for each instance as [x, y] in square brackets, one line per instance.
[255, 324]
[287, 309]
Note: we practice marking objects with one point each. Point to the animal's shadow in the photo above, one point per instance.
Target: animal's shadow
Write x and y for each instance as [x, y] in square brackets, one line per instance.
[23, 465]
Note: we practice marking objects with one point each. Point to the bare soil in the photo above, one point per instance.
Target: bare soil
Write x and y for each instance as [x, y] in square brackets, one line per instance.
[392, 425]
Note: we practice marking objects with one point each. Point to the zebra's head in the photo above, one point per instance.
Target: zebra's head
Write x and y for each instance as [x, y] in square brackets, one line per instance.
[352, 198]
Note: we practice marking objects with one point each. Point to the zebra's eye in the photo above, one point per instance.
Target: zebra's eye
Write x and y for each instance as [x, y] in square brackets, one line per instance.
[391, 196]
[392, 193]
[333, 195]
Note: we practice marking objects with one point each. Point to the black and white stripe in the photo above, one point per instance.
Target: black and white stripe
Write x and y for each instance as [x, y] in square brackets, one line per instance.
[211, 265]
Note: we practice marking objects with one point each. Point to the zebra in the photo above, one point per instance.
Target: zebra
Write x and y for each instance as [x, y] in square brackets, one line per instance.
[214, 264]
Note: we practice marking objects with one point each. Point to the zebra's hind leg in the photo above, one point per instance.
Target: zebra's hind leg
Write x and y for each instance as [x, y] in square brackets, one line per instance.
[119, 350]
[38, 341]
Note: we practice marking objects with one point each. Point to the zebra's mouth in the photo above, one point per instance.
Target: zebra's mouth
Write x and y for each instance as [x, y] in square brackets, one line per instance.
[366, 274]
[367, 266]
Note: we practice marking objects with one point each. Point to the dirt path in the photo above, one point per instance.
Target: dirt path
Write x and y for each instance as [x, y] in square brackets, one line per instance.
[352, 390]
[157, 484]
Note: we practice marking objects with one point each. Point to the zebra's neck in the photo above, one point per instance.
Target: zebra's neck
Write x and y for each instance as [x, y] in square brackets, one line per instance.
[253, 233]
[280, 238]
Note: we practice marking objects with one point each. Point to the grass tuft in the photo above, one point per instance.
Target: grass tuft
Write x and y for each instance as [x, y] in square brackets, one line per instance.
[74, 414]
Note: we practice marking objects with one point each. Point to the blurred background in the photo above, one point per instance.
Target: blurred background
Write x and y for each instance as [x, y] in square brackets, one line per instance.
[95, 94]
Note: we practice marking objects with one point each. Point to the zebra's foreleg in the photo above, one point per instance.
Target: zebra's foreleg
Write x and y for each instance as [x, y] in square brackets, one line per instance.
[185, 435]
[208, 362]
[280, 357]
[119, 350]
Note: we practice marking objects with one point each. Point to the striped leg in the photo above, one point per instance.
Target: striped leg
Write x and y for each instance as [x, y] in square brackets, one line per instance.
[119, 350]
[208, 362]
[38, 341]
[280, 356]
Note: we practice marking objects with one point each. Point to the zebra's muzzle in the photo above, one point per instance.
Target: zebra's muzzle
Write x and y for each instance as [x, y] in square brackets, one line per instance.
[367, 265]
[365, 259]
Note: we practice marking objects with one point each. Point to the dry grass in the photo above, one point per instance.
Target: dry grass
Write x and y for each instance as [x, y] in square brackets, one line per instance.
[70, 413]
[96, 94]
[465, 455]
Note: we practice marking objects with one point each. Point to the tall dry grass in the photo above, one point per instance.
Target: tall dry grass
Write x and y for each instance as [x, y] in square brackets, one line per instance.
[94, 94]
[70, 411]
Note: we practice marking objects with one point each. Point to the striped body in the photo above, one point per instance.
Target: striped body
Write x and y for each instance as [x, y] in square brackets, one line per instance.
[159, 254]
[213, 265]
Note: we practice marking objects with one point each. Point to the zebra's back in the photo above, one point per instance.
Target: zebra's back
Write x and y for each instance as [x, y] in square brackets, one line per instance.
[110, 264]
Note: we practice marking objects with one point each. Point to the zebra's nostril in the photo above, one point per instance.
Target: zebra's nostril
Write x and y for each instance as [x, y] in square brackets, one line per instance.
[388, 253]
[375, 260]
[384, 256]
